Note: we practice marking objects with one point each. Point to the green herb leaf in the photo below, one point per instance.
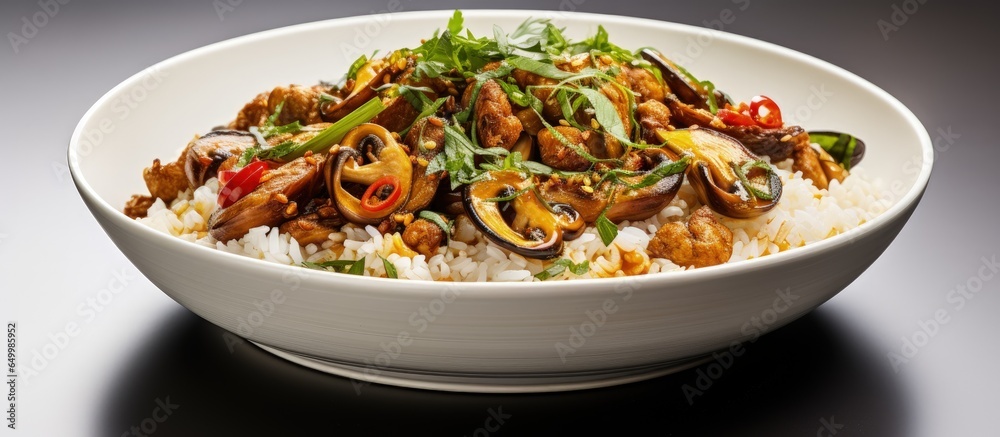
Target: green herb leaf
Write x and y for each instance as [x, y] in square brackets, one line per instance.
[566, 107]
[460, 157]
[358, 268]
[515, 94]
[840, 146]
[390, 269]
[290, 150]
[535, 167]
[437, 219]
[278, 150]
[540, 68]
[652, 177]
[606, 113]
[606, 229]
[339, 266]
[599, 44]
[352, 72]
[324, 97]
[335, 132]
[268, 129]
[456, 23]
[742, 171]
[560, 266]
[511, 196]
[290, 128]
[248, 154]
[713, 105]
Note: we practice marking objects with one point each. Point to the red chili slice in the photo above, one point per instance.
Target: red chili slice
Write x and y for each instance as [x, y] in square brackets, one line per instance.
[380, 204]
[226, 175]
[241, 183]
[765, 112]
[734, 118]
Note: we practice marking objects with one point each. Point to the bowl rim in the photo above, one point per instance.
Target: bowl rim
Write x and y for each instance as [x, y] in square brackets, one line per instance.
[491, 290]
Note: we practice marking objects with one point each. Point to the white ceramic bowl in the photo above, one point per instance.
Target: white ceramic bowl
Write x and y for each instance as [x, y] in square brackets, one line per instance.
[489, 337]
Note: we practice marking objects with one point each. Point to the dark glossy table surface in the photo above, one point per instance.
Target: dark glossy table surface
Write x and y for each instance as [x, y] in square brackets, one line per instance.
[136, 350]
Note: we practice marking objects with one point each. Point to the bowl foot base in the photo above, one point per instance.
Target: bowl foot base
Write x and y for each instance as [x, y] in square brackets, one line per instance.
[489, 383]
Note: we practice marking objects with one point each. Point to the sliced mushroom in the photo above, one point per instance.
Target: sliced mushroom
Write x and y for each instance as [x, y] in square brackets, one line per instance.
[425, 140]
[570, 220]
[629, 204]
[729, 178]
[521, 222]
[525, 146]
[366, 154]
[684, 88]
[272, 202]
[369, 77]
[204, 155]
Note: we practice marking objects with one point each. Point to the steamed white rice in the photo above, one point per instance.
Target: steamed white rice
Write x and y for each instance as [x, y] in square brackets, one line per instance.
[804, 215]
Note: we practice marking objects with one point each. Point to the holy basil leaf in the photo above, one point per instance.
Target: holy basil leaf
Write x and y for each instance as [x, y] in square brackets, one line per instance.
[437, 219]
[339, 266]
[511, 196]
[535, 167]
[743, 170]
[515, 95]
[606, 229]
[460, 157]
[540, 68]
[566, 107]
[427, 111]
[390, 269]
[652, 177]
[605, 113]
[560, 266]
[358, 268]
